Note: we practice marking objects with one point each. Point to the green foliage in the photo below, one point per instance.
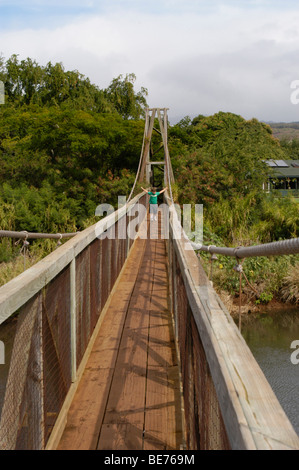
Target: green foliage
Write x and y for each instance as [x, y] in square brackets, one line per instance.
[225, 154]
[37, 210]
[264, 298]
[121, 94]
[7, 251]
[279, 217]
[220, 162]
[28, 83]
[266, 275]
[114, 186]
[253, 218]
[67, 146]
[60, 136]
[291, 147]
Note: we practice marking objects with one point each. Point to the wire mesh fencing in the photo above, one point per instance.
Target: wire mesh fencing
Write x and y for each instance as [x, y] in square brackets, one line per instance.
[54, 327]
[205, 428]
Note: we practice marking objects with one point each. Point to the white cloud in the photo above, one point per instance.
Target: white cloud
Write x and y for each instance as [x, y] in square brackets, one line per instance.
[228, 58]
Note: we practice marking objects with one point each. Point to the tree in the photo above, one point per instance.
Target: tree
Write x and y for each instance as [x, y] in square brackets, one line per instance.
[27, 83]
[121, 93]
[225, 155]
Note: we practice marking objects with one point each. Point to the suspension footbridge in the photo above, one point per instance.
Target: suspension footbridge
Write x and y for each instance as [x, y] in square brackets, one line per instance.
[121, 343]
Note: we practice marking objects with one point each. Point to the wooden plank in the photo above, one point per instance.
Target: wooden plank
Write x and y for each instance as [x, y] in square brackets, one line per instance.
[156, 432]
[125, 411]
[125, 365]
[163, 428]
[61, 422]
[124, 416]
[163, 414]
[126, 400]
[87, 410]
[121, 436]
[84, 421]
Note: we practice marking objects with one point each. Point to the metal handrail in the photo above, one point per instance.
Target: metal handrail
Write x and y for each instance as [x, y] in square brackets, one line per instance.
[283, 247]
[30, 235]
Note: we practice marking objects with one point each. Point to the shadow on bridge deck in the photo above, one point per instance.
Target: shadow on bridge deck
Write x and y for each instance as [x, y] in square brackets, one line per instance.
[129, 395]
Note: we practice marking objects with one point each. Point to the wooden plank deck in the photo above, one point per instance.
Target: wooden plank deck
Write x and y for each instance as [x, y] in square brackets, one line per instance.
[129, 394]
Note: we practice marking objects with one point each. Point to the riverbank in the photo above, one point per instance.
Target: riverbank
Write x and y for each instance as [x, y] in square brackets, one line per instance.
[250, 308]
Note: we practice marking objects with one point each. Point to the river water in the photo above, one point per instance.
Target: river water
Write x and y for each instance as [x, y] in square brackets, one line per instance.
[269, 336]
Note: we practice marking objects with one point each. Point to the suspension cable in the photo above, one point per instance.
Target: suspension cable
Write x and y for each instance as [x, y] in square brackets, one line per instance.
[139, 166]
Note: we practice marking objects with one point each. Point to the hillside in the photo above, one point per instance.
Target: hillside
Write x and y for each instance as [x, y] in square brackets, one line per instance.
[285, 130]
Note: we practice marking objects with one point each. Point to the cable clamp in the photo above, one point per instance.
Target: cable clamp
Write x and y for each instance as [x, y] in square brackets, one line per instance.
[238, 268]
[59, 240]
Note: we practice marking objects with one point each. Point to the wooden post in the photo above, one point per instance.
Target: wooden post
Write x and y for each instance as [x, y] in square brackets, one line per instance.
[73, 320]
[165, 122]
[163, 127]
[36, 417]
[145, 156]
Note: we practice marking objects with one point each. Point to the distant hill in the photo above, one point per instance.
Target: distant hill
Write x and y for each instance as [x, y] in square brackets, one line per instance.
[285, 130]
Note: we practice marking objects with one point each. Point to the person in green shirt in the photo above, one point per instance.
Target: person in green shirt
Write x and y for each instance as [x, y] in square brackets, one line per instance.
[153, 201]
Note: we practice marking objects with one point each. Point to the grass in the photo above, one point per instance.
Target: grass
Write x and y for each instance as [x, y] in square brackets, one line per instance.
[13, 263]
[13, 268]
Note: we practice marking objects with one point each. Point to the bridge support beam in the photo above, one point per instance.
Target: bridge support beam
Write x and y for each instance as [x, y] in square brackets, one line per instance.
[149, 126]
[146, 164]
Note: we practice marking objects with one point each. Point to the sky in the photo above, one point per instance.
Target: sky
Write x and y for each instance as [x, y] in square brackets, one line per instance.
[193, 56]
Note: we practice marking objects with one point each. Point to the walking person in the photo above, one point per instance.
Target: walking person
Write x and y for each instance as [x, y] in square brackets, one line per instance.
[153, 201]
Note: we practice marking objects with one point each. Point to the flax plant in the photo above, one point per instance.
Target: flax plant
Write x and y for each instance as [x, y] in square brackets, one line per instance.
[290, 288]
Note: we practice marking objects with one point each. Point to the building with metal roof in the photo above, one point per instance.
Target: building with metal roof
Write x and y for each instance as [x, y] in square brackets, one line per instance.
[284, 176]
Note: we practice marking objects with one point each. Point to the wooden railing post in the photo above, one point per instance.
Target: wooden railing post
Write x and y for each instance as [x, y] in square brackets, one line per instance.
[73, 326]
[36, 419]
